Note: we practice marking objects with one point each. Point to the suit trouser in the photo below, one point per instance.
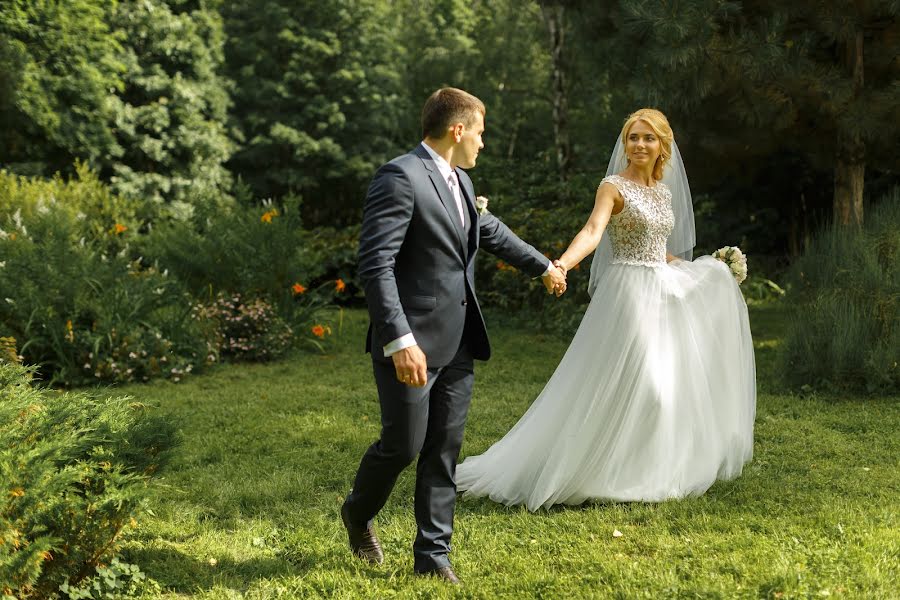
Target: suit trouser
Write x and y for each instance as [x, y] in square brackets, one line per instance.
[426, 422]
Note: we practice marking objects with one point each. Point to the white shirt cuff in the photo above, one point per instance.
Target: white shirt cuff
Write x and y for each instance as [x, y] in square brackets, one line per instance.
[549, 266]
[399, 344]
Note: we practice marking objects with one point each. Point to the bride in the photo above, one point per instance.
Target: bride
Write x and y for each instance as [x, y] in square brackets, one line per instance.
[656, 395]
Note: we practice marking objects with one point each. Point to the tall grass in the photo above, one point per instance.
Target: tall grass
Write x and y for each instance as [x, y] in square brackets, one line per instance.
[845, 330]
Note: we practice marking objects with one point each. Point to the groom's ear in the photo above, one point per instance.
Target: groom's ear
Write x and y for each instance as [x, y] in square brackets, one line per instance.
[456, 132]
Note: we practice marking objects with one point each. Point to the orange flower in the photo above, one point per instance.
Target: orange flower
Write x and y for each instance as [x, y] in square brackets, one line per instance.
[501, 266]
[118, 228]
[339, 286]
[318, 331]
[298, 289]
[267, 216]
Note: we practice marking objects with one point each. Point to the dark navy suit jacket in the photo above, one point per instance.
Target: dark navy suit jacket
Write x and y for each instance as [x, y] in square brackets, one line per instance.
[416, 261]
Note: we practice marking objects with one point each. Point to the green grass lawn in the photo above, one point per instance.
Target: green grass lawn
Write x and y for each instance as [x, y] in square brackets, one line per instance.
[248, 508]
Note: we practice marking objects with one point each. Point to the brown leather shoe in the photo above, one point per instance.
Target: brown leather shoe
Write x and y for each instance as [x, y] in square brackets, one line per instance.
[445, 573]
[363, 541]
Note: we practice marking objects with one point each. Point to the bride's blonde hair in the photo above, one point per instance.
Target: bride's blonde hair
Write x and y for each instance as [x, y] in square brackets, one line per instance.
[660, 126]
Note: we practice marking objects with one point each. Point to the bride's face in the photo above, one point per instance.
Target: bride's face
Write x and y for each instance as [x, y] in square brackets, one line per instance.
[642, 145]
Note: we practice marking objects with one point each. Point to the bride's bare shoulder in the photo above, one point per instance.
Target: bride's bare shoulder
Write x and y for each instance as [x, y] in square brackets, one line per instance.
[609, 190]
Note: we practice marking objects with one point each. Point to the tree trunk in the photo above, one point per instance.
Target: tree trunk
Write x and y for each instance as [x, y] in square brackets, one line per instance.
[553, 18]
[850, 157]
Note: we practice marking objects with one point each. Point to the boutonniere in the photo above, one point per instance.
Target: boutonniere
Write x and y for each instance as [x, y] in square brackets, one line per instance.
[481, 204]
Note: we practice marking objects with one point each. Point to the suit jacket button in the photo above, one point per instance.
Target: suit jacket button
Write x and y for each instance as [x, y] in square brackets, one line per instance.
[464, 302]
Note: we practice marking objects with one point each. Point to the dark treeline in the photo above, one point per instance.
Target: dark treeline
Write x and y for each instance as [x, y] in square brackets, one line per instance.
[786, 113]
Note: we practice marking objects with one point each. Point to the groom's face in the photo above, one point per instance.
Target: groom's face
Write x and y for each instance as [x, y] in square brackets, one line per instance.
[469, 141]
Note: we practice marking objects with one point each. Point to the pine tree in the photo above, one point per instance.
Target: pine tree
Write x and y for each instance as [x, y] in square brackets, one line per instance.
[170, 118]
[816, 78]
[57, 67]
[316, 99]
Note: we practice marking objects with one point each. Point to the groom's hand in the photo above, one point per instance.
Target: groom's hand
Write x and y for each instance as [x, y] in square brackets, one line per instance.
[411, 366]
[555, 281]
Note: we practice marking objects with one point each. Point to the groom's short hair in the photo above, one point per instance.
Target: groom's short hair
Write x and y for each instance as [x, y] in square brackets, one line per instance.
[448, 106]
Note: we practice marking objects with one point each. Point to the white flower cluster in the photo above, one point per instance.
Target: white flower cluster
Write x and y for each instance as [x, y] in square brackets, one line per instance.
[735, 259]
[481, 204]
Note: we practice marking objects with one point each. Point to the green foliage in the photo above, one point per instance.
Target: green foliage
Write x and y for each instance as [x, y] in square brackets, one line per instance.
[547, 215]
[846, 296]
[80, 306]
[58, 68]
[75, 469]
[116, 581]
[247, 329]
[317, 98]
[259, 253]
[133, 87]
[170, 116]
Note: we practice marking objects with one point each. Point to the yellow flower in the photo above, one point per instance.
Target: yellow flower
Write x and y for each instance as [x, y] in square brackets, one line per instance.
[70, 332]
[267, 216]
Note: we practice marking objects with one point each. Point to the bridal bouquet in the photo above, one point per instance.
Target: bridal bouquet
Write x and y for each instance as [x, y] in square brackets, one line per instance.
[735, 259]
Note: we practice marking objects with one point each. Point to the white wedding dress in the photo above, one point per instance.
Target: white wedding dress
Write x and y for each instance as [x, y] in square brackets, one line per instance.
[655, 397]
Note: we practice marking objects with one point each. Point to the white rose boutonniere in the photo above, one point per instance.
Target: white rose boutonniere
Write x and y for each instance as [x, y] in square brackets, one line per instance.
[481, 204]
[735, 260]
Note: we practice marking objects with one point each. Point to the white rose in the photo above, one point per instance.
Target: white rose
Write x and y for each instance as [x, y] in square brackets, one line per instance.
[481, 204]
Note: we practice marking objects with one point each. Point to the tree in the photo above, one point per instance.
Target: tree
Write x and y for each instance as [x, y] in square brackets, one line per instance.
[58, 64]
[317, 99]
[554, 15]
[132, 87]
[170, 117]
[789, 74]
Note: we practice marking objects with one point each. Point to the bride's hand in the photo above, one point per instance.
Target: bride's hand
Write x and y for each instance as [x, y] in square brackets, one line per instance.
[558, 264]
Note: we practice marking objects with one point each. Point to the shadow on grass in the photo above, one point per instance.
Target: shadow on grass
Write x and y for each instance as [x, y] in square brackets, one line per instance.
[182, 573]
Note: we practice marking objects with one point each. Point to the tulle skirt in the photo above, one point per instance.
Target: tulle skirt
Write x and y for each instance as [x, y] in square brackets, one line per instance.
[654, 399]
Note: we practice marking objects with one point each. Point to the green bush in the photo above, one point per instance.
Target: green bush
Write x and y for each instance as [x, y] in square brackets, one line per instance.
[547, 215]
[83, 311]
[845, 293]
[94, 291]
[261, 254]
[73, 475]
[248, 330]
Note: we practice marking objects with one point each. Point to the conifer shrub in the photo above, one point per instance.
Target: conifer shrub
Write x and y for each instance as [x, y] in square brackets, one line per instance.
[845, 296]
[74, 471]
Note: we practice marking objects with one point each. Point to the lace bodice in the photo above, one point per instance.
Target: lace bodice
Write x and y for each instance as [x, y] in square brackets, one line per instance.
[639, 232]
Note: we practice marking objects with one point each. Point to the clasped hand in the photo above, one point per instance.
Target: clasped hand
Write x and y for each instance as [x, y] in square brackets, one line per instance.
[555, 279]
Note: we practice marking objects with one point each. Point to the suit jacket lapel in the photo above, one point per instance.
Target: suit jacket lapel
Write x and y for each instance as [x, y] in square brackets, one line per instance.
[443, 192]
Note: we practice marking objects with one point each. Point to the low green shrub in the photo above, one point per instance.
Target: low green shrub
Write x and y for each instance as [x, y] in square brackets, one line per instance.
[256, 261]
[116, 581]
[845, 294]
[96, 291]
[254, 251]
[246, 329]
[84, 314]
[74, 469]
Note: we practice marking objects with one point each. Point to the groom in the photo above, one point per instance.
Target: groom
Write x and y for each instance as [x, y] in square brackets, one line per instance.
[420, 233]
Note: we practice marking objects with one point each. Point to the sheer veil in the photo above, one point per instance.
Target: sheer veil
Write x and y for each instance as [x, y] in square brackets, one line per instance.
[683, 237]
